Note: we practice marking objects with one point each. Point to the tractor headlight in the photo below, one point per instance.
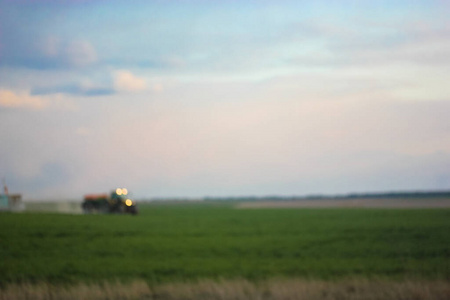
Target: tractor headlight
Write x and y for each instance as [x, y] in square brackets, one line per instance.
[119, 192]
[128, 202]
[124, 192]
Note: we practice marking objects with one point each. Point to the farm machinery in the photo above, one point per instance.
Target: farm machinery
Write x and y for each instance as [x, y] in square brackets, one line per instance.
[117, 202]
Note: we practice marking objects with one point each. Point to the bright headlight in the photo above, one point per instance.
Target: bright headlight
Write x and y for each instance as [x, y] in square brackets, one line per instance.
[128, 202]
[119, 192]
[124, 191]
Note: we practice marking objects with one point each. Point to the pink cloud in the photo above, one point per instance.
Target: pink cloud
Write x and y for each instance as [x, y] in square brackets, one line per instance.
[23, 100]
[127, 81]
[10, 99]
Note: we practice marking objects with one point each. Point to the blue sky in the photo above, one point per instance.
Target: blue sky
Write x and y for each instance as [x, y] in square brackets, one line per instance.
[224, 98]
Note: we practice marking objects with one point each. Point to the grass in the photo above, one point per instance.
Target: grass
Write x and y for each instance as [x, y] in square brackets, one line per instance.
[188, 242]
[274, 289]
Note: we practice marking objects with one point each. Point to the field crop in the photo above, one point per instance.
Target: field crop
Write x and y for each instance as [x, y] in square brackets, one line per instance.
[273, 289]
[188, 242]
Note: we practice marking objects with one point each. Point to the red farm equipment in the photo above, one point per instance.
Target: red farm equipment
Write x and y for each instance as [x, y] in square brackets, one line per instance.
[116, 202]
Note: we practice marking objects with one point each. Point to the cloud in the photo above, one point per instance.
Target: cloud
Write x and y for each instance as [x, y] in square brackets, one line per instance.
[10, 99]
[50, 52]
[121, 81]
[65, 53]
[24, 100]
[75, 89]
[127, 82]
[379, 44]
[78, 53]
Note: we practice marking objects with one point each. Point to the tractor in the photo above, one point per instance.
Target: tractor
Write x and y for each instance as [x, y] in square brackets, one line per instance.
[117, 202]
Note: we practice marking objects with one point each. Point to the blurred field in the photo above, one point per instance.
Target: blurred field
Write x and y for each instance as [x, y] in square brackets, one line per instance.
[184, 242]
[417, 202]
[273, 289]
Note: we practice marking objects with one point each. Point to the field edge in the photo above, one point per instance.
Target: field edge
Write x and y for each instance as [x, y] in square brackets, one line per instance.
[276, 288]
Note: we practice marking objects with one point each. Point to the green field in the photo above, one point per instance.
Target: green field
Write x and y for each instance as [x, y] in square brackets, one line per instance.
[185, 242]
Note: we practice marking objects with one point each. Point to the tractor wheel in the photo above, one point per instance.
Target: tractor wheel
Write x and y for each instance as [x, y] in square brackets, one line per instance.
[104, 208]
[133, 210]
[120, 209]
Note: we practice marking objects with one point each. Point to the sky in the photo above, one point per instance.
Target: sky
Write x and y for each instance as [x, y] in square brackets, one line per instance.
[224, 98]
